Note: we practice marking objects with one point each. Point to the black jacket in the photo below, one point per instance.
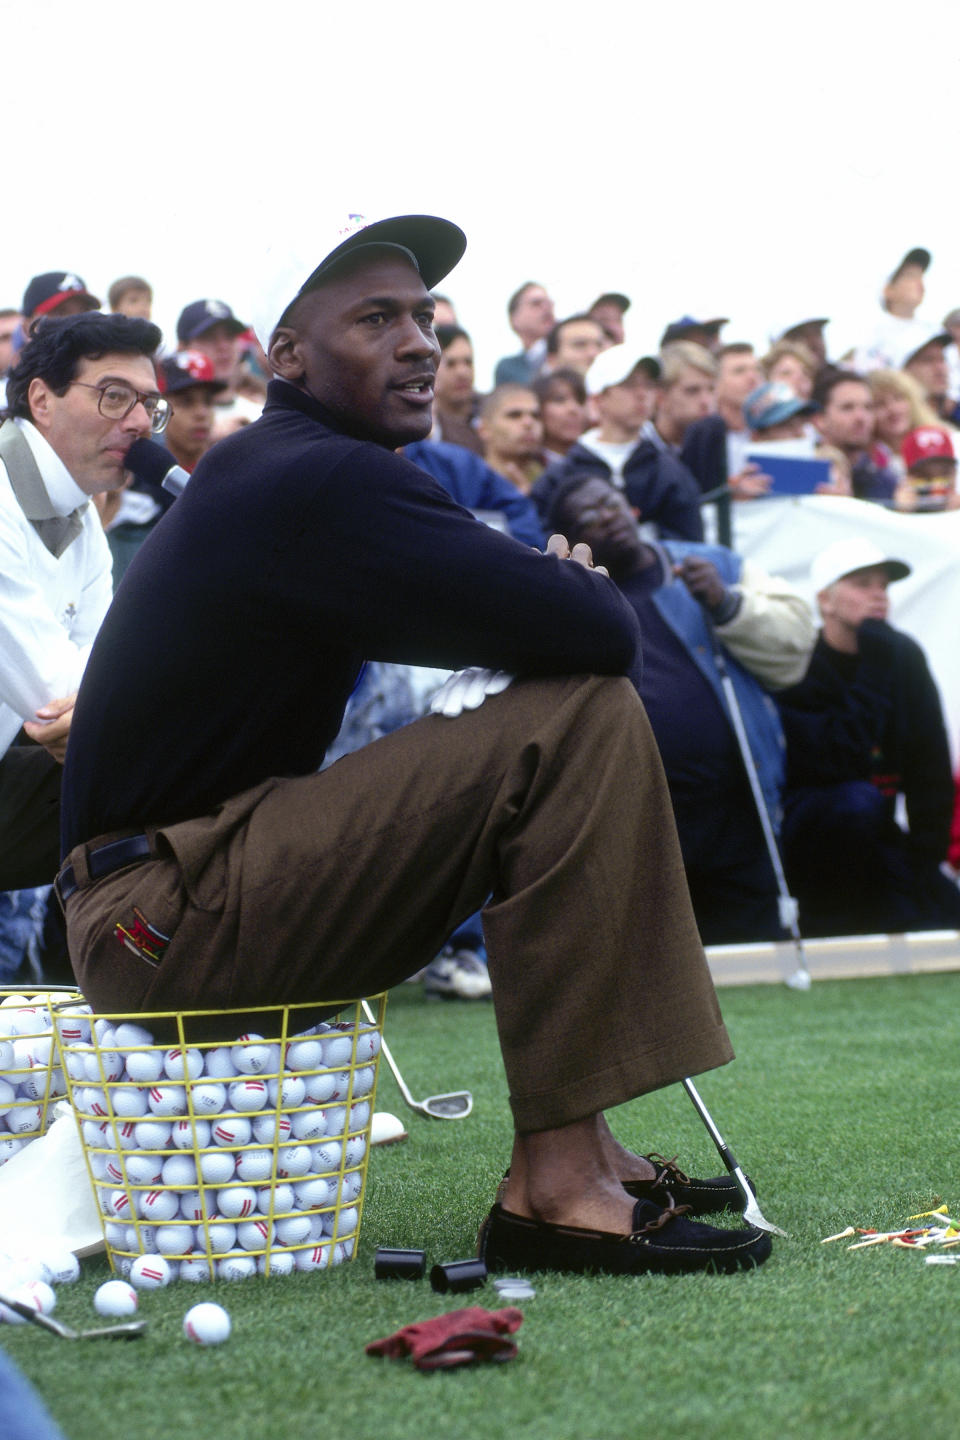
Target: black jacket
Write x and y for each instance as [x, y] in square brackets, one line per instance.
[655, 481]
[874, 716]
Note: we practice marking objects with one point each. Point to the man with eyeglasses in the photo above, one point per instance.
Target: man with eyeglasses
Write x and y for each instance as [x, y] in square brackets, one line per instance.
[85, 388]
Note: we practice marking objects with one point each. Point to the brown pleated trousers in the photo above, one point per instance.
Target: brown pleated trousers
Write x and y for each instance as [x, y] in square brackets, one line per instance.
[549, 799]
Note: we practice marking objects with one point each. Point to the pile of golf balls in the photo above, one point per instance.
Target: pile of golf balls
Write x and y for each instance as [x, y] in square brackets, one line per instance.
[29, 1076]
[223, 1161]
[31, 1279]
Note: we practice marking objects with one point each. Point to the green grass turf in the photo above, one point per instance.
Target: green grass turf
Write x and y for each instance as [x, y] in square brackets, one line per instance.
[841, 1106]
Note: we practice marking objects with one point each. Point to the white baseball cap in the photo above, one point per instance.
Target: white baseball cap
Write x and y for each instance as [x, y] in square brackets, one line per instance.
[844, 556]
[615, 365]
[434, 245]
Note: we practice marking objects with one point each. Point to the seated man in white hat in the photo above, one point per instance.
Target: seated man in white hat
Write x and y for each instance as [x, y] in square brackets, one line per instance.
[864, 727]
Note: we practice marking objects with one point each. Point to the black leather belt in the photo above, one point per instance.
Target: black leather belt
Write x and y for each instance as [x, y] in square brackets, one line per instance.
[103, 860]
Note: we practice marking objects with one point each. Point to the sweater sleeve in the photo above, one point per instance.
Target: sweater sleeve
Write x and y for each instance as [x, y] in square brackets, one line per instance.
[415, 578]
[772, 633]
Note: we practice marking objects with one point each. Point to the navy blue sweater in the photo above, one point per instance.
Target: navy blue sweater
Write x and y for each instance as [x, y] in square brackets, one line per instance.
[295, 553]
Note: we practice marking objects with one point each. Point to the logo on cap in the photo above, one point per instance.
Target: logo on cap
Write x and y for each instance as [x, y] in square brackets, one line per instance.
[70, 282]
[217, 309]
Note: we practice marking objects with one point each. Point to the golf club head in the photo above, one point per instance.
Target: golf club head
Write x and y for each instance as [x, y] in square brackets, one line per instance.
[799, 980]
[456, 1105]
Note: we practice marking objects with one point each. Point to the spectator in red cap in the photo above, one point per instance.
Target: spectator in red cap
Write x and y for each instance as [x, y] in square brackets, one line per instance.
[931, 478]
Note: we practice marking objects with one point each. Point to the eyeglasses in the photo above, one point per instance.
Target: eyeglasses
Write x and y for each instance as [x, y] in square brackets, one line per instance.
[116, 400]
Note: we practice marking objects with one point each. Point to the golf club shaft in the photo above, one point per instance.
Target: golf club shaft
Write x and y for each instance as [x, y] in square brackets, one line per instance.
[394, 1068]
[752, 1211]
[789, 904]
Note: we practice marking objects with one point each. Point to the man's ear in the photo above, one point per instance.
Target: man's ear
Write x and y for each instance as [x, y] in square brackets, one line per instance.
[39, 401]
[284, 355]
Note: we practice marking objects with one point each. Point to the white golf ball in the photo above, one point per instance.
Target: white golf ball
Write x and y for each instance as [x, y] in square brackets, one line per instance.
[277, 1262]
[368, 1045]
[304, 1055]
[320, 1087]
[293, 1162]
[290, 1089]
[236, 1267]
[158, 1204]
[128, 1100]
[336, 1119]
[191, 1134]
[344, 1223]
[311, 1194]
[308, 1124]
[282, 1196]
[254, 1234]
[143, 1169]
[218, 1063]
[7, 1096]
[60, 1267]
[167, 1099]
[152, 1134]
[217, 1166]
[180, 1064]
[318, 1257]
[195, 1206]
[359, 1115]
[292, 1230]
[248, 1095]
[254, 1056]
[209, 1098]
[222, 1236]
[354, 1150]
[236, 1201]
[326, 1156]
[144, 1065]
[116, 1297]
[350, 1187]
[150, 1272]
[179, 1170]
[127, 1034]
[232, 1131]
[174, 1239]
[337, 1050]
[24, 1119]
[195, 1268]
[363, 1081]
[125, 1134]
[254, 1165]
[268, 1125]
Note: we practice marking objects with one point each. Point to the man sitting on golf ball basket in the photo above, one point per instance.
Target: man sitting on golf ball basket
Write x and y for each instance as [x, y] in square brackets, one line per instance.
[196, 821]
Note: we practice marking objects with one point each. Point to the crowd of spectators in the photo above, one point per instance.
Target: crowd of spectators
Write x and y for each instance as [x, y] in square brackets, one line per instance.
[628, 451]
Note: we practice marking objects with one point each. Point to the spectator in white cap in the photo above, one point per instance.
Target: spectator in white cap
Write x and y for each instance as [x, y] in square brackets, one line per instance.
[864, 727]
[924, 358]
[622, 386]
[896, 329]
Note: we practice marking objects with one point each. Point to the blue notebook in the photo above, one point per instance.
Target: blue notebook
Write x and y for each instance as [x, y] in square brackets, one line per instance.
[792, 474]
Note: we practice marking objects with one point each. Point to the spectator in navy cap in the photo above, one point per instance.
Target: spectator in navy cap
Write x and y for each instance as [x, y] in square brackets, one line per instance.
[211, 327]
[58, 292]
[698, 332]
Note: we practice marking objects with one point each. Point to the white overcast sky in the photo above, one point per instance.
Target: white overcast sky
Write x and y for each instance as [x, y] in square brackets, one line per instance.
[750, 160]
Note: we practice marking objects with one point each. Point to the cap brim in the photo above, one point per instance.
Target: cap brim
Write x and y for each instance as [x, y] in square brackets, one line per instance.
[436, 245]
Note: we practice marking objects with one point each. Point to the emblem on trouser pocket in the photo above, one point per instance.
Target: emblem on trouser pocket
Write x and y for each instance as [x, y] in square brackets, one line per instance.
[142, 938]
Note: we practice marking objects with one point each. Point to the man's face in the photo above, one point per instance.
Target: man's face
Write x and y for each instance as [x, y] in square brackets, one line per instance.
[847, 420]
[598, 515]
[513, 431]
[190, 427]
[221, 347]
[564, 416]
[929, 367]
[8, 328]
[859, 596]
[92, 447]
[362, 344]
[738, 376]
[533, 316]
[811, 335]
[578, 345]
[691, 396]
[628, 405]
[610, 317]
[455, 372]
[135, 303]
[904, 293]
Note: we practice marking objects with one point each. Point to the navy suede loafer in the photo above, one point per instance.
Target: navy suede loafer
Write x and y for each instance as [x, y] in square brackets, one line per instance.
[662, 1242]
[671, 1187]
